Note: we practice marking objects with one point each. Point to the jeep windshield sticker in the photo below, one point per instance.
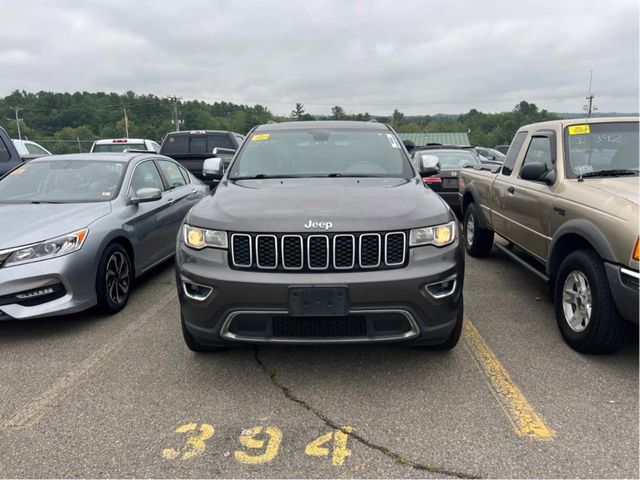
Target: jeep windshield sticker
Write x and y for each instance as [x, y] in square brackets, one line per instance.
[393, 141]
[582, 169]
[259, 137]
[579, 129]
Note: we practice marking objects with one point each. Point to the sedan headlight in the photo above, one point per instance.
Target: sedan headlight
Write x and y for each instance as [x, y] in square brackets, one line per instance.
[199, 238]
[440, 235]
[56, 247]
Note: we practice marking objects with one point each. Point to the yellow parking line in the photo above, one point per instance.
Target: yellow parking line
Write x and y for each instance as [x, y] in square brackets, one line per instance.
[525, 420]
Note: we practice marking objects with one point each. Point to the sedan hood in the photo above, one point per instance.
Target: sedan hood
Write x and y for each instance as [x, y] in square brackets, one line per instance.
[23, 224]
[347, 204]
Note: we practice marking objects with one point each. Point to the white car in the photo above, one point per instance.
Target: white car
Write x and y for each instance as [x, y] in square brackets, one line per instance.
[122, 144]
[29, 150]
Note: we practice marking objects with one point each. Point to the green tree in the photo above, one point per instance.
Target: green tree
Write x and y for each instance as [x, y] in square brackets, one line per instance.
[337, 113]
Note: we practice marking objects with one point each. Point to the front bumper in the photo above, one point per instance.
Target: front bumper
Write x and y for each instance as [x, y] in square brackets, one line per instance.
[624, 288]
[69, 272]
[373, 295]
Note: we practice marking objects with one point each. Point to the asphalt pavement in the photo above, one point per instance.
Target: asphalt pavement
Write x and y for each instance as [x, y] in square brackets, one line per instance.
[95, 396]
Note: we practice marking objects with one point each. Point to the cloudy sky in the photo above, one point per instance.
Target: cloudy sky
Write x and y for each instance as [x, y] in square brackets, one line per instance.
[416, 56]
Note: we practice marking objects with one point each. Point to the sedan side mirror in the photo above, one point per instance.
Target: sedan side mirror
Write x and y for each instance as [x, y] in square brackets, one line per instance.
[429, 165]
[146, 195]
[537, 172]
[213, 166]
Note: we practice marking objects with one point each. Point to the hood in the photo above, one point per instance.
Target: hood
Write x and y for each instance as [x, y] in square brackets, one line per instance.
[627, 188]
[22, 224]
[349, 204]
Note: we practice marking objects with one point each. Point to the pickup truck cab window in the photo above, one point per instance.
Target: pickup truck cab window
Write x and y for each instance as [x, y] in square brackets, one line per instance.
[539, 151]
[514, 151]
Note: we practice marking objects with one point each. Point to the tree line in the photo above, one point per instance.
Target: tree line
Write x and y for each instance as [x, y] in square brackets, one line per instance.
[68, 122]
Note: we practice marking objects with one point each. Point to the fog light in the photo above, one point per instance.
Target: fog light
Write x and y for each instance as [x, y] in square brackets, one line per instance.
[196, 291]
[443, 288]
[34, 293]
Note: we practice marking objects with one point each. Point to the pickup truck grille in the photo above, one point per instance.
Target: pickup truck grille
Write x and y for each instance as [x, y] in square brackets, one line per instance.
[318, 252]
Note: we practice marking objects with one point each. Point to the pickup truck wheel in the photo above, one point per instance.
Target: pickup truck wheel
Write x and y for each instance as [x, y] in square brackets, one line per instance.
[586, 313]
[477, 241]
[193, 344]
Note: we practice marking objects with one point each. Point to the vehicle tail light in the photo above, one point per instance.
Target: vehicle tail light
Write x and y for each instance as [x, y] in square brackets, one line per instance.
[636, 250]
[119, 140]
[432, 180]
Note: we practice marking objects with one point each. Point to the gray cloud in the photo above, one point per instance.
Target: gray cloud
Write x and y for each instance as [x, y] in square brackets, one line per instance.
[417, 56]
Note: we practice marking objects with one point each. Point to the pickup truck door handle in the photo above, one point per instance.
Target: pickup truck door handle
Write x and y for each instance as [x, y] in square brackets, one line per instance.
[511, 190]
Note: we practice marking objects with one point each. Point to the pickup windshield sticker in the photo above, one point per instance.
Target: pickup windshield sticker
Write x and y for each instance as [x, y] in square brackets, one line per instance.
[579, 129]
[259, 137]
[582, 169]
[393, 141]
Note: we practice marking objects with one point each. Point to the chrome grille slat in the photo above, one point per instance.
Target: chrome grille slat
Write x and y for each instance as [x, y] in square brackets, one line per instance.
[317, 252]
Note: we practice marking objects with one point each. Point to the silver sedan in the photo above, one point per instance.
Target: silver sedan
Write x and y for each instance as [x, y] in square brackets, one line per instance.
[75, 230]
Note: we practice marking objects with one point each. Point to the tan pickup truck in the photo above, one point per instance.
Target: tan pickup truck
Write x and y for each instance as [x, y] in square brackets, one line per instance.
[567, 202]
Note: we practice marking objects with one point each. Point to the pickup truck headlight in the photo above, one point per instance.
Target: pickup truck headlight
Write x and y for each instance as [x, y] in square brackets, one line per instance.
[55, 247]
[199, 238]
[440, 235]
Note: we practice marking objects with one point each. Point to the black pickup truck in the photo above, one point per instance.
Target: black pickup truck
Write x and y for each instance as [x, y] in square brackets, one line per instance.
[9, 156]
[192, 148]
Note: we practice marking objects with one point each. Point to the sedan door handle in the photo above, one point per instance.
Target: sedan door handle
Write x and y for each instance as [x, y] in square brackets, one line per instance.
[511, 190]
[171, 200]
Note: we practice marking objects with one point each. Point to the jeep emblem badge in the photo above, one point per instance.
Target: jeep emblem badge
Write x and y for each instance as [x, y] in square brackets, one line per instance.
[325, 225]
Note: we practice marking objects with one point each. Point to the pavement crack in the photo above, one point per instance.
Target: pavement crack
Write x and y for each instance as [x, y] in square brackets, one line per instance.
[396, 457]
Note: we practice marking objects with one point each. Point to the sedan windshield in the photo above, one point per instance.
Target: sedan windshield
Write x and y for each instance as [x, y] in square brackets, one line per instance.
[62, 181]
[604, 148]
[321, 153]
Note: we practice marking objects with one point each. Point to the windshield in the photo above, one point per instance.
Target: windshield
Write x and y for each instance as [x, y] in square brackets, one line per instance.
[119, 147]
[453, 159]
[62, 181]
[599, 147]
[321, 152]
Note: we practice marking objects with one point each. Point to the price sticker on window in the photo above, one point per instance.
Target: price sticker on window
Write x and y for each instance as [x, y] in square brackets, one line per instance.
[579, 129]
[258, 137]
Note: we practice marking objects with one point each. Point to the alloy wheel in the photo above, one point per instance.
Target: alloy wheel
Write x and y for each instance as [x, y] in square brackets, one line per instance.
[577, 301]
[117, 277]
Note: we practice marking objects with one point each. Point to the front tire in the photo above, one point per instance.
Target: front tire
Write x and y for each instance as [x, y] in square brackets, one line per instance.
[477, 241]
[585, 310]
[115, 279]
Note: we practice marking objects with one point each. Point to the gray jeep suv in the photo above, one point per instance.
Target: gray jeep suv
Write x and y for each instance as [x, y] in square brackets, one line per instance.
[321, 232]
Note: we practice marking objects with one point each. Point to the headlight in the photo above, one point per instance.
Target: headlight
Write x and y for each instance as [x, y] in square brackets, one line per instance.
[439, 235]
[199, 238]
[56, 247]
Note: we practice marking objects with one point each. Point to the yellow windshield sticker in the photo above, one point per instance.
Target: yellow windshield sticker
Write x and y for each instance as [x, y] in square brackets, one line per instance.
[579, 129]
[260, 136]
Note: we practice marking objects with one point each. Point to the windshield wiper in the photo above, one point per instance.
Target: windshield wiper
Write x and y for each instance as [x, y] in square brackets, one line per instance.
[264, 175]
[613, 172]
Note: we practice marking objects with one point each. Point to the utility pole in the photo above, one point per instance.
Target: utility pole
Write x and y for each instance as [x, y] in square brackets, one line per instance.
[175, 112]
[16, 110]
[126, 123]
[589, 107]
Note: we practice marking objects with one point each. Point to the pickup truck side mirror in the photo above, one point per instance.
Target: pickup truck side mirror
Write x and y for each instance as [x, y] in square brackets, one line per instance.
[146, 195]
[429, 165]
[537, 172]
[223, 151]
[213, 166]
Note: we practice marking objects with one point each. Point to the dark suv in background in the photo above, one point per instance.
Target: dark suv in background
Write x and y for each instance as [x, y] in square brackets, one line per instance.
[321, 232]
[192, 148]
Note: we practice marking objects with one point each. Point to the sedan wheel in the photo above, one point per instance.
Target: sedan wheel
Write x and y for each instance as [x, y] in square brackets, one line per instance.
[115, 278]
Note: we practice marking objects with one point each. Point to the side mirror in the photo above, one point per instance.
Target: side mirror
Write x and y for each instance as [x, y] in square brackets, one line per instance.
[537, 172]
[223, 151]
[146, 195]
[429, 165]
[213, 166]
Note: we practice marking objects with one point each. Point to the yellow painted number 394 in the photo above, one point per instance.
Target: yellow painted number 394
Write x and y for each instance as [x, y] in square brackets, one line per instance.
[261, 444]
